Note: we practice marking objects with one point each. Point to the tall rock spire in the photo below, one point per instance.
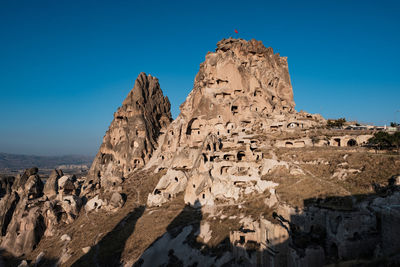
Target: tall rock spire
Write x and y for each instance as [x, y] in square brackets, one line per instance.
[132, 136]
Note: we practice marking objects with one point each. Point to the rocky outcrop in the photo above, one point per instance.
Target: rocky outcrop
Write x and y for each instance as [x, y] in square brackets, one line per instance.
[25, 230]
[250, 197]
[172, 183]
[132, 136]
[314, 236]
[22, 222]
[30, 209]
[241, 94]
[219, 152]
[51, 186]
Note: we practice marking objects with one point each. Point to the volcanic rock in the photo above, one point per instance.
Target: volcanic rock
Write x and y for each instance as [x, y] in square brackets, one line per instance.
[235, 156]
[94, 204]
[132, 135]
[116, 200]
[51, 185]
[241, 92]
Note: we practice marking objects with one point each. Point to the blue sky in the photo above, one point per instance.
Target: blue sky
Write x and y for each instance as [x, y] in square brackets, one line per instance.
[66, 66]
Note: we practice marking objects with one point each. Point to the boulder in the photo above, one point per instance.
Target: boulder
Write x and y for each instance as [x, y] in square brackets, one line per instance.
[65, 238]
[94, 204]
[32, 171]
[51, 185]
[33, 187]
[116, 200]
[66, 185]
[23, 263]
[71, 205]
[21, 179]
[172, 183]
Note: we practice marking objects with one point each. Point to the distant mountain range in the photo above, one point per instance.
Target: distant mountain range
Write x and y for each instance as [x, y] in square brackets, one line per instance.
[14, 162]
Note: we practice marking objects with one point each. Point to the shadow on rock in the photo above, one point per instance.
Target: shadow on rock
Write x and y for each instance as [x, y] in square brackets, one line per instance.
[8, 260]
[181, 245]
[360, 230]
[109, 250]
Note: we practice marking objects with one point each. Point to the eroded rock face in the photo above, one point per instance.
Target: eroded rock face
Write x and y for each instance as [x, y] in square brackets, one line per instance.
[25, 230]
[132, 135]
[172, 183]
[219, 155]
[51, 186]
[241, 94]
[30, 210]
[219, 152]
[22, 222]
[248, 73]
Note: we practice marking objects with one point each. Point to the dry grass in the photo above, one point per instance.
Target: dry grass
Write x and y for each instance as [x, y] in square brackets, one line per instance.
[318, 181]
[296, 191]
[91, 228]
[152, 225]
[127, 233]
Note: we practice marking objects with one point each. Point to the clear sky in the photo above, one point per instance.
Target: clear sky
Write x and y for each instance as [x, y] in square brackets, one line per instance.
[66, 66]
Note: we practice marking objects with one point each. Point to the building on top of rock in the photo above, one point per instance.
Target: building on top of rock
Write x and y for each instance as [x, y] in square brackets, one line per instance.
[132, 135]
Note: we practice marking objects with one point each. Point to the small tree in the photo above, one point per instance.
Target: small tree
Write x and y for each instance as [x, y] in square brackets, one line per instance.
[395, 140]
[380, 140]
[327, 139]
[394, 124]
[336, 123]
[340, 122]
[314, 140]
[330, 123]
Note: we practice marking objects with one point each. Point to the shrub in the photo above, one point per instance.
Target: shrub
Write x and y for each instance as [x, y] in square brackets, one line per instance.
[336, 123]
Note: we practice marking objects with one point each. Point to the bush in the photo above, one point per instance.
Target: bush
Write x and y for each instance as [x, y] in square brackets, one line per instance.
[336, 123]
[314, 140]
[384, 140]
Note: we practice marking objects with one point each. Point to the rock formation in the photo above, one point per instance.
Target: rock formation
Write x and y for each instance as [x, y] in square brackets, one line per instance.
[219, 151]
[240, 178]
[132, 136]
[30, 209]
[22, 223]
[51, 186]
[241, 93]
